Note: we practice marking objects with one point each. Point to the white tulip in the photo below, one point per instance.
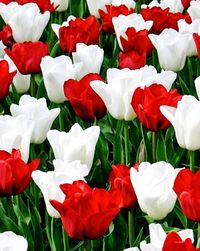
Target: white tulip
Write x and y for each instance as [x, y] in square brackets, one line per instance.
[95, 5]
[90, 57]
[37, 112]
[62, 4]
[153, 185]
[26, 21]
[173, 5]
[12, 242]
[49, 182]
[117, 94]
[172, 49]
[186, 121]
[55, 72]
[127, 3]
[77, 144]
[122, 23]
[16, 132]
[158, 236]
[194, 10]
[20, 81]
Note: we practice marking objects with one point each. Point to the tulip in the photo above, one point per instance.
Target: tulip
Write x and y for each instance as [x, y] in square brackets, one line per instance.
[85, 102]
[27, 56]
[15, 133]
[15, 174]
[56, 27]
[167, 44]
[55, 72]
[44, 5]
[146, 104]
[119, 178]
[6, 36]
[117, 94]
[122, 23]
[36, 110]
[132, 60]
[186, 121]
[49, 182]
[83, 213]
[90, 57]
[79, 31]
[158, 237]
[95, 5]
[77, 144]
[20, 81]
[196, 38]
[10, 241]
[187, 188]
[153, 185]
[194, 10]
[26, 21]
[61, 5]
[6, 78]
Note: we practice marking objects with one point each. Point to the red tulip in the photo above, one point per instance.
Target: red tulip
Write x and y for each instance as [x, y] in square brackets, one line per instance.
[6, 36]
[6, 1]
[132, 60]
[27, 56]
[15, 174]
[120, 179]
[112, 11]
[187, 188]
[85, 102]
[186, 3]
[79, 31]
[196, 38]
[44, 5]
[173, 242]
[146, 104]
[87, 213]
[6, 78]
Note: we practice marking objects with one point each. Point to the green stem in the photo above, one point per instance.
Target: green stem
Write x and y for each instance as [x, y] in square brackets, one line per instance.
[33, 86]
[154, 146]
[198, 235]
[65, 240]
[10, 209]
[87, 245]
[61, 121]
[191, 160]
[127, 145]
[131, 231]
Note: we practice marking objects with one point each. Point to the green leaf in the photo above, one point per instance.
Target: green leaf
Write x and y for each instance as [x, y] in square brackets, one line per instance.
[180, 215]
[161, 148]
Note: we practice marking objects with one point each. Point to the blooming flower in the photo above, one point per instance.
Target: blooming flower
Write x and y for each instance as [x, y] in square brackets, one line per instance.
[93, 220]
[6, 36]
[27, 56]
[77, 144]
[185, 120]
[15, 174]
[132, 60]
[146, 104]
[26, 21]
[194, 9]
[10, 241]
[37, 111]
[6, 78]
[153, 185]
[44, 5]
[85, 102]
[187, 188]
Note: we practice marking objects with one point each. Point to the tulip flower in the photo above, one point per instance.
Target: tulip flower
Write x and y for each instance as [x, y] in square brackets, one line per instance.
[122, 23]
[26, 21]
[153, 185]
[27, 56]
[61, 5]
[20, 81]
[87, 222]
[6, 36]
[119, 178]
[56, 27]
[15, 174]
[194, 10]
[196, 38]
[10, 241]
[15, 133]
[187, 188]
[186, 121]
[168, 43]
[132, 60]
[146, 104]
[36, 110]
[117, 94]
[173, 5]
[77, 144]
[6, 78]
[49, 182]
[85, 102]
[79, 31]
[44, 5]
[158, 238]
[90, 57]
[55, 72]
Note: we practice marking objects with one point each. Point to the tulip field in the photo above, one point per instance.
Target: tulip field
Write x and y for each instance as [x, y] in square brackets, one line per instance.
[99, 125]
